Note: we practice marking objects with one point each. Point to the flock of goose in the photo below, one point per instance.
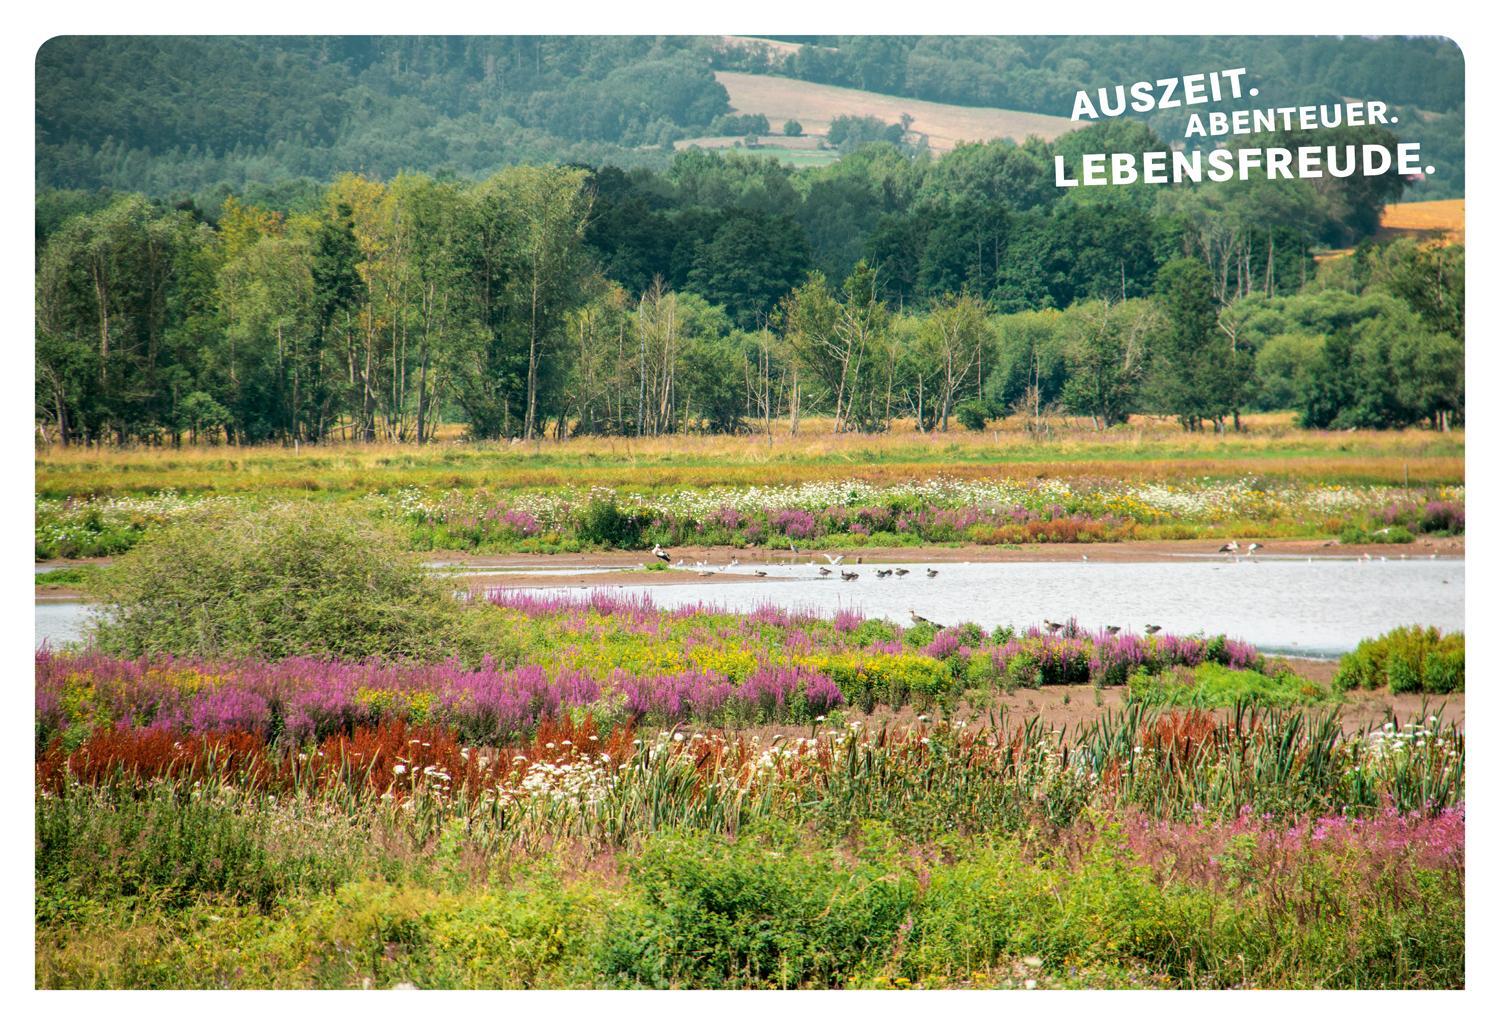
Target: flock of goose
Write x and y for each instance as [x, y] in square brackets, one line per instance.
[704, 569]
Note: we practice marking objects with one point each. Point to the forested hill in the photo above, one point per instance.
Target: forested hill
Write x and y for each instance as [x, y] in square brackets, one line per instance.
[181, 115]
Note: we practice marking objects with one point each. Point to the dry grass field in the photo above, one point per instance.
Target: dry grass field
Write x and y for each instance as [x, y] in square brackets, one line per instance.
[944, 124]
[1438, 220]
[1434, 221]
[1145, 449]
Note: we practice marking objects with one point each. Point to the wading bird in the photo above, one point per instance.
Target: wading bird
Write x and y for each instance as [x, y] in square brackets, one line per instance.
[760, 572]
[661, 553]
[833, 561]
[1255, 546]
[1230, 548]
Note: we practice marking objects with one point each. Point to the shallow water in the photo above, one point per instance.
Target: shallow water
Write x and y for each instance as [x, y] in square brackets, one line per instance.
[1317, 609]
[60, 622]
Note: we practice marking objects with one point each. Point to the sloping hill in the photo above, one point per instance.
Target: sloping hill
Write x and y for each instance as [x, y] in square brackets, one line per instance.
[944, 124]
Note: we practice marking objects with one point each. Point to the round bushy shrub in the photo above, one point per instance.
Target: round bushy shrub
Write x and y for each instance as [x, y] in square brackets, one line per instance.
[271, 584]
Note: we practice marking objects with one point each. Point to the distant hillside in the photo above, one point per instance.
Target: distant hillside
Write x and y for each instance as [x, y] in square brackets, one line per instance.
[943, 124]
[184, 115]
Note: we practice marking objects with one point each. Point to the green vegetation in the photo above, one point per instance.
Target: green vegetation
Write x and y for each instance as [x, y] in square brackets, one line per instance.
[1406, 660]
[848, 878]
[1215, 686]
[717, 293]
[285, 581]
[553, 301]
[272, 110]
[68, 576]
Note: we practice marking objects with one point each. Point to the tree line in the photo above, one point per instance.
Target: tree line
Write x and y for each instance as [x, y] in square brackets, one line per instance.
[730, 291]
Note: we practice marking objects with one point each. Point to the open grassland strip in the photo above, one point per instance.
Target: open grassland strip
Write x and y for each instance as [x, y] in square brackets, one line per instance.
[270, 471]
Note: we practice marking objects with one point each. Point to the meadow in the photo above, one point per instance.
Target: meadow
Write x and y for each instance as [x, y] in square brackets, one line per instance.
[1146, 481]
[292, 758]
[597, 792]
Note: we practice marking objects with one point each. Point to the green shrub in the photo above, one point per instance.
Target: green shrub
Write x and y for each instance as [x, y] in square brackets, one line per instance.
[972, 415]
[276, 583]
[733, 914]
[1214, 686]
[605, 524]
[1406, 660]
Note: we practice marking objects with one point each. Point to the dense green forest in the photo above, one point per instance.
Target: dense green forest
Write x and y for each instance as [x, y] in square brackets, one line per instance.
[199, 117]
[728, 290]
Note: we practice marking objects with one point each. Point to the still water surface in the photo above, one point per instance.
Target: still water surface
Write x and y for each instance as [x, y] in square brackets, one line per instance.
[1319, 609]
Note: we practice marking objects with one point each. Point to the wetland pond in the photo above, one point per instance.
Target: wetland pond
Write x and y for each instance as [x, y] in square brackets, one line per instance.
[1316, 608]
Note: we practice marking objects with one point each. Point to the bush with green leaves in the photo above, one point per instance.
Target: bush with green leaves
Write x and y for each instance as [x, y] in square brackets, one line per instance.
[1408, 659]
[275, 583]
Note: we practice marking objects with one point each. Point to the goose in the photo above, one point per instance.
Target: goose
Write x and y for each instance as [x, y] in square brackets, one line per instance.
[1052, 627]
[1111, 630]
[902, 571]
[760, 572]
[661, 553]
[824, 571]
[1153, 628]
[923, 620]
[704, 570]
[848, 574]
[883, 573]
[931, 572]
[734, 560]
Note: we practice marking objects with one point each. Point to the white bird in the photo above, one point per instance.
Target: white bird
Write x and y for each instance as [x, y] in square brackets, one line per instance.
[760, 572]
[1255, 546]
[832, 561]
[1230, 548]
[661, 553]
